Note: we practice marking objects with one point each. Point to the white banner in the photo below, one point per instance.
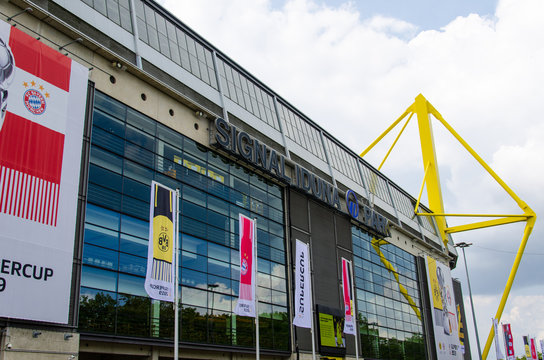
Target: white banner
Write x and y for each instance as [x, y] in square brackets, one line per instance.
[245, 305]
[444, 313]
[160, 275]
[498, 347]
[303, 291]
[42, 112]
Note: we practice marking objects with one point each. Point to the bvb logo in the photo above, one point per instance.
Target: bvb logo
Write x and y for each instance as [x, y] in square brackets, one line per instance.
[163, 244]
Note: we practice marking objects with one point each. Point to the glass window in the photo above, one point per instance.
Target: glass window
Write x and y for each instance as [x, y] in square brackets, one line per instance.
[133, 226]
[97, 235]
[100, 257]
[102, 217]
[98, 278]
[132, 264]
[133, 285]
[214, 192]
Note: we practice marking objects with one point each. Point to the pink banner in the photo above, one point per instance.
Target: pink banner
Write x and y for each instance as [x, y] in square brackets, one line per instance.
[246, 300]
[349, 322]
[508, 341]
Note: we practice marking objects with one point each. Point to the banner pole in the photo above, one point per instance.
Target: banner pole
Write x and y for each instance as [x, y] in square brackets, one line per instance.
[313, 335]
[176, 289]
[356, 322]
[257, 347]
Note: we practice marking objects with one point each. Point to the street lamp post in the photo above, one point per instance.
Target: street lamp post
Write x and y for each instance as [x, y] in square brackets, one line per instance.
[463, 245]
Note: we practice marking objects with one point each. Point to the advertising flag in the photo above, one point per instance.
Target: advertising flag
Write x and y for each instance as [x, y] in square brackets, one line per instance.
[303, 292]
[534, 355]
[42, 112]
[160, 275]
[246, 300]
[542, 346]
[527, 347]
[508, 342]
[443, 312]
[498, 347]
[349, 312]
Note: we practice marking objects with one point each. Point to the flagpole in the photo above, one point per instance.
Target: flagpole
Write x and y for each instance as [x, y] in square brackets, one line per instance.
[257, 347]
[176, 289]
[356, 322]
[312, 331]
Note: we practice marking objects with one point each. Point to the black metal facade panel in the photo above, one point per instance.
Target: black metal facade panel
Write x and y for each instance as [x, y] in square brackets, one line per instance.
[324, 252]
[299, 215]
[343, 233]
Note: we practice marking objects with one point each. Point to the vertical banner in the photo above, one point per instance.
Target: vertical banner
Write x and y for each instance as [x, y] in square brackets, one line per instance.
[246, 300]
[498, 347]
[527, 347]
[303, 292]
[42, 112]
[508, 342]
[534, 355]
[443, 312]
[349, 322]
[542, 346]
[159, 279]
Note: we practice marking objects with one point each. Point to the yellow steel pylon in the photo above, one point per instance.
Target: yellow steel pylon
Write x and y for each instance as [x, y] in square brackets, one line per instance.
[423, 109]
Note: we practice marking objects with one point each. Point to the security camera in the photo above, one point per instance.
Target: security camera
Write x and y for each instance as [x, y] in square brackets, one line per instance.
[8, 346]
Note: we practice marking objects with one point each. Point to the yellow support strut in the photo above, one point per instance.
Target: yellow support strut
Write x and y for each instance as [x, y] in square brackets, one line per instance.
[423, 109]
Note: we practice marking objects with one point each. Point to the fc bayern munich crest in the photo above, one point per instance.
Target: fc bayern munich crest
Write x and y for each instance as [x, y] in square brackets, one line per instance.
[33, 98]
[244, 267]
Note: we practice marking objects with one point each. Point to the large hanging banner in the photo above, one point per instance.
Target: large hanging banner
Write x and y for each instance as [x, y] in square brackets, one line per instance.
[444, 313]
[246, 300]
[303, 291]
[42, 112]
[349, 312]
[160, 274]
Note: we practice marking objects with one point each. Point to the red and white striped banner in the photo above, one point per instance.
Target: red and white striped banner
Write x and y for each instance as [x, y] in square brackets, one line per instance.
[33, 128]
[42, 112]
[28, 197]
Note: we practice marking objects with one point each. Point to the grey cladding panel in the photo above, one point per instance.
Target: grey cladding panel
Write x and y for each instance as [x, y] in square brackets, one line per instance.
[298, 210]
[324, 253]
[343, 232]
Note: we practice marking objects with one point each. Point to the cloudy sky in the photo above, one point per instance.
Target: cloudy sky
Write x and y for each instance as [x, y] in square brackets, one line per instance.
[354, 67]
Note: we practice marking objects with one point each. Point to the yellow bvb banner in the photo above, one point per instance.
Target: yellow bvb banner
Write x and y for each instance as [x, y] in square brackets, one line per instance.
[159, 282]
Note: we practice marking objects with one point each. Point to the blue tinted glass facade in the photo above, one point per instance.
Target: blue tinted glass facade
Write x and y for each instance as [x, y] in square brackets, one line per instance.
[128, 150]
[388, 300]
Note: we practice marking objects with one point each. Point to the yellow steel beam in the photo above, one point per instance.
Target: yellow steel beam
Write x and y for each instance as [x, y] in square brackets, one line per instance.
[520, 202]
[484, 224]
[434, 191]
[395, 142]
[476, 215]
[423, 109]
[508, 287]
[409, 110]
[421, 188]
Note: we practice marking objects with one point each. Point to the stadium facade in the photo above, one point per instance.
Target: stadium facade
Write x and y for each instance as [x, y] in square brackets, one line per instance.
[161, 103]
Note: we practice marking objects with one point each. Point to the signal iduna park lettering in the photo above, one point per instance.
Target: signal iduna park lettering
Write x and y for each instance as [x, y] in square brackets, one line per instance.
[241, 144]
